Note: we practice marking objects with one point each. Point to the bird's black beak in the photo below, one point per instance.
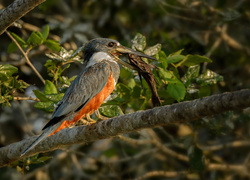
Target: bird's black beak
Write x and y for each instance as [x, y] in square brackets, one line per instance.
[124, 50]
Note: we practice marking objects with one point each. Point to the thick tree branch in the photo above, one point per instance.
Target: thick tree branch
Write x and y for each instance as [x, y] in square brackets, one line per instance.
[15, 11]
[181, 112]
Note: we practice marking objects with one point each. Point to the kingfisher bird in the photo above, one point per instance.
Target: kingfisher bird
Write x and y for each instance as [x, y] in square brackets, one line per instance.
[91, 87]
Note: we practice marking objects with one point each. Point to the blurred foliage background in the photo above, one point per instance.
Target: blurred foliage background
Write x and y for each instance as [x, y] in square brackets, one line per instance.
[212, 148]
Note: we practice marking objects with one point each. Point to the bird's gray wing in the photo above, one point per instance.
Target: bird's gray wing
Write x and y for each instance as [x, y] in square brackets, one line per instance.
[85, 86]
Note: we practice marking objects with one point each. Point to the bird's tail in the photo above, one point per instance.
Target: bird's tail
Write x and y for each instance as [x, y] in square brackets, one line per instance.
[45, 134]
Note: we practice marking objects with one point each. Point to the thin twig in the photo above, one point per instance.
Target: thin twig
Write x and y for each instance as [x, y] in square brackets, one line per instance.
[233, 144]
[25, 98]
[167, 174]
[26, 57]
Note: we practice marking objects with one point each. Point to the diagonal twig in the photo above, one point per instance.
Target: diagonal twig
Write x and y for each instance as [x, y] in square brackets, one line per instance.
[25, 54]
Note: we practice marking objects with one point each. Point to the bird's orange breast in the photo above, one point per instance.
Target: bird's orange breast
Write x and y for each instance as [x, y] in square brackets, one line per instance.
[92, 105]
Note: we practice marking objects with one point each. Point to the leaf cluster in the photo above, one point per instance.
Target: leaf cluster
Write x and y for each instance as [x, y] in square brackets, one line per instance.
[172, 84]
[35, 39]
[9, 84]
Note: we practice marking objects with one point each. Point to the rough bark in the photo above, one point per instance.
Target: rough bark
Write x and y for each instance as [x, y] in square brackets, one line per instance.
[15, 11]
[180, 112]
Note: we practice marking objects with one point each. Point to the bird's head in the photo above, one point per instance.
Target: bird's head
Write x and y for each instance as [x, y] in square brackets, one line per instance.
[108, 48]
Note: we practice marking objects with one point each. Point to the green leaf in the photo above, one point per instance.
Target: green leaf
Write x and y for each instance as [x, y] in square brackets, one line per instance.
[72, 78]
[195, 59]
[19, 169]
[41, 96]
[51, 65]
[55, 97]
[35, 39]
[191, 74]
[42, 159]
[126, 74]
[139, 42]
[6, 71]
[53, 45]
[18, 39]
[177, 52]
[176, 90]
[19, 84]
[204, 91]
[196, 158]
[110, 152]
[45, 32]
[152, 51]
[111, 110]
[163, 59]
[209, 78]
[165, 74]
[12, 47]
[49, 88]
[175, 58]
[45, 106]
[131, 83]
[136, 92]
[76, 52]
[124, 91]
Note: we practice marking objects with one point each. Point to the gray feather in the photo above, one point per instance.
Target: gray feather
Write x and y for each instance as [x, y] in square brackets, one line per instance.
[44, 135]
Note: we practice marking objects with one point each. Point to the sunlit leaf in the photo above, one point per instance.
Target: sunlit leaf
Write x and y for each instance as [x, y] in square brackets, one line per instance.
[12, 46]
[53, 45]
[124, 91]
[176, 90]
[195, 59]
[76, 52]
[18, 39]
[41, 96]
[35, 39]
[139, 42]
[55, 97]
[175, 58]
[164, 74]
[45, 106]
[191, 74]
[45, 32]
[43, 159]
[153, 50]
[131, 83]
[54, 56]
[176, 53]
[111, 110]
[19, 84]
[49, 88]
[163, 59]
[6, 71]
[209, 78]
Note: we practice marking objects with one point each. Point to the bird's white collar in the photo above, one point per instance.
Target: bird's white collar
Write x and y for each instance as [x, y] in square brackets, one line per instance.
[98, 57]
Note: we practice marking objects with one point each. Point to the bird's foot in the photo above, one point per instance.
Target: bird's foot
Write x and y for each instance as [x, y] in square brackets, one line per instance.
[86, 120]
[89, 119]
[99, 116]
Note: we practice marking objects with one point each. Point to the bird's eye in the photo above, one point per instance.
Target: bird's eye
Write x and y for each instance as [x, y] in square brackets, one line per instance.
[111, 44]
